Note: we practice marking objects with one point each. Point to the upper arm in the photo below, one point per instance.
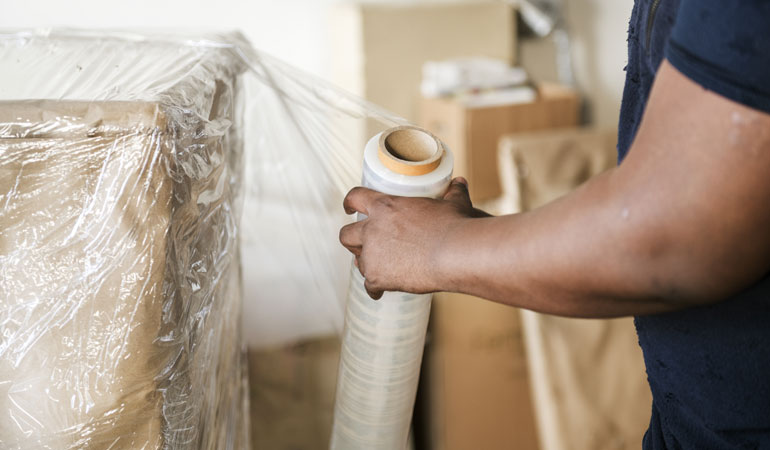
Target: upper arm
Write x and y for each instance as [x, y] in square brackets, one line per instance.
[700, 162]
[699, 170]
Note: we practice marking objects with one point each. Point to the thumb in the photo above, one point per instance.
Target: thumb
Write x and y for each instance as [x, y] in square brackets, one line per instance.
[458, 192]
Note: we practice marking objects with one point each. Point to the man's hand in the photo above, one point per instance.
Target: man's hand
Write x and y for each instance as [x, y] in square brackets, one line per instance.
[395, 246]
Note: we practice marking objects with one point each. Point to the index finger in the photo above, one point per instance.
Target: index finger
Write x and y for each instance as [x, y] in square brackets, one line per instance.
[358, 200]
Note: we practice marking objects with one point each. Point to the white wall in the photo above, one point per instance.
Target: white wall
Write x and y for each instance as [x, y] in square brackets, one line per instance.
[297, 31]
[290, 29]
[598, 30]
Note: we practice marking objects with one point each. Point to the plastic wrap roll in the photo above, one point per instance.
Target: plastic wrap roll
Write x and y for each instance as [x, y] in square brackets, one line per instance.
[383, 340]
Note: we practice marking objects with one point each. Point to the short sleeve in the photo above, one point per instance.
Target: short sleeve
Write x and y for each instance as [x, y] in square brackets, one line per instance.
[724, 45]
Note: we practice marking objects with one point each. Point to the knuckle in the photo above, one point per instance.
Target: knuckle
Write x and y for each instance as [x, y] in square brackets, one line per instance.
[350, 197]
[355, 191]
[346, 235]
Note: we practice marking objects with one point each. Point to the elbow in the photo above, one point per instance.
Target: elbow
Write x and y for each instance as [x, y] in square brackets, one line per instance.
[682, 272]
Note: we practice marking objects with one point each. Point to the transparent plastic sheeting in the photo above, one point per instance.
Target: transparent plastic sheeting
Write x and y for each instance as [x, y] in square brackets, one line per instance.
[130, 167]
[383, 340]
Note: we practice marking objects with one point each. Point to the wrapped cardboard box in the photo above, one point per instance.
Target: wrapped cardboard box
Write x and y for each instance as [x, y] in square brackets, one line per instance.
[121, 187]
[473, 133]
[120, 296]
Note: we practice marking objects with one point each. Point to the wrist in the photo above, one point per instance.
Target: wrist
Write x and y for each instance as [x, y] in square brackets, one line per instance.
[448, 256]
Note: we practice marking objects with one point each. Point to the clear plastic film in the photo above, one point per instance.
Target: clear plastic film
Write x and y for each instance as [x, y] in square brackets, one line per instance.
[150, 185]
[383, 340]
[120, 187]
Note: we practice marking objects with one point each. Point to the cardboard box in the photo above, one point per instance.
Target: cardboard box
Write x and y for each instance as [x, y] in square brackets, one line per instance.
[292, 394]
[474, 390]
[120, 293]
[473, 133]
[379, 48]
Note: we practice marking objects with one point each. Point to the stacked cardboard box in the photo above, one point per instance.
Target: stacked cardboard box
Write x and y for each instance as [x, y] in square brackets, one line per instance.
[475, 387]
[473, 133]
[380, 48]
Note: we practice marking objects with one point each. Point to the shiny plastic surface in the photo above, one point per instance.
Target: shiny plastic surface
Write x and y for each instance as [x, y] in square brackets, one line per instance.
[142, 179]
[120, 298]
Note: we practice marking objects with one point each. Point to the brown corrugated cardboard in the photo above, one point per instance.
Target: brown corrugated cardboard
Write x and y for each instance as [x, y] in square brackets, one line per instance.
[92, 202]
[473, 133]
[61, 171]
[474, 390]
[292, 394]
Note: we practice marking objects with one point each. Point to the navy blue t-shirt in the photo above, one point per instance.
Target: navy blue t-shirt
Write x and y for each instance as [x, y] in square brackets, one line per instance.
[708, 367]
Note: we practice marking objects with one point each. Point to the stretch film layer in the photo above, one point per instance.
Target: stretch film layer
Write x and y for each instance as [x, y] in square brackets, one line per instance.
[383, 340]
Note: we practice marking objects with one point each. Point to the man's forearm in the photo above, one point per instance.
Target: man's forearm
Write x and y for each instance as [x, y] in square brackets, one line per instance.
[682, 222]
[573, 257]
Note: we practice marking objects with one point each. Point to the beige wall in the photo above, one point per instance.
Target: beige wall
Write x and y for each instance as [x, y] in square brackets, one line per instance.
[598, 31]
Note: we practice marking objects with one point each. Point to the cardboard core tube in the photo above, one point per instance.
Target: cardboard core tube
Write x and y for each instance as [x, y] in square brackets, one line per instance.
[410, 150]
